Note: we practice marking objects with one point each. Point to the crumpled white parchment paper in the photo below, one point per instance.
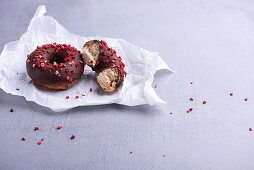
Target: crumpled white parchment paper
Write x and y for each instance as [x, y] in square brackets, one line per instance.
[141, 65]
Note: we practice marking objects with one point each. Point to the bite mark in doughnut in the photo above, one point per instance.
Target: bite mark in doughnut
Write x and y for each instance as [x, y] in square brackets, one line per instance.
[106, 63]
[55, 66]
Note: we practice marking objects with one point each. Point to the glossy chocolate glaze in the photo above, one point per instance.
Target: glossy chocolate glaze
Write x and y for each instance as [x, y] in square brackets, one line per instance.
[57, 59]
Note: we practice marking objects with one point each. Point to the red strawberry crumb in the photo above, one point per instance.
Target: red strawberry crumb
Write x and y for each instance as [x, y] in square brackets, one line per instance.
[155, 86]
[191, 99]
[103, 42]
[250, 129]
[72, 137]
[246, 99]
[77, 97]
[59, 127]
[42, 139]
[163, 155]
[23, 139]
[189, 110]
[171, 113]
[91, 89]
[36, 128]
[191, 82]
[39, 142]
[231, 94]
[204, 102]
[67, 97]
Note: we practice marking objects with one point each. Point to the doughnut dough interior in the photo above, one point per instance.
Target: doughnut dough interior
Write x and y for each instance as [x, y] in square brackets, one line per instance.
[108, 79]
[91, 53]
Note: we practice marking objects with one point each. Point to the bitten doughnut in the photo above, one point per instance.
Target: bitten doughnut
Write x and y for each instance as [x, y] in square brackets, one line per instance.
[106, 63]
[55, 66]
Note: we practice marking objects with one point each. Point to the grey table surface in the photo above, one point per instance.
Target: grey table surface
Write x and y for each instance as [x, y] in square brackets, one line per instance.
[209, 43]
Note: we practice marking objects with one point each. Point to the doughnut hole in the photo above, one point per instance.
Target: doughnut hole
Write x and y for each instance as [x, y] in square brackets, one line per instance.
[58, 57]
[108, 79]
[90, 53]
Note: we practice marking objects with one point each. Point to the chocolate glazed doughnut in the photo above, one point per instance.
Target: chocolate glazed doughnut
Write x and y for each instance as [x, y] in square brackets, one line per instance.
[55, 66]
[106, 63]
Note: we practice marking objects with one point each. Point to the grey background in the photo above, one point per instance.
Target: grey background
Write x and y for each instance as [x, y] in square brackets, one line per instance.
[209, 43]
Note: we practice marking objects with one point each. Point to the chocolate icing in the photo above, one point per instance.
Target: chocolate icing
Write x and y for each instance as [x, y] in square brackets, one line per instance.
[62, 64]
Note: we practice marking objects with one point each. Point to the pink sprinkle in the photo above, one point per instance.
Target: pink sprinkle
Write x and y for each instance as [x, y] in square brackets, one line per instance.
[250, 129]
[155, 86]
[191, 82]
[57, 73]
[171, 113]
[246, 99]
[163, 155]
